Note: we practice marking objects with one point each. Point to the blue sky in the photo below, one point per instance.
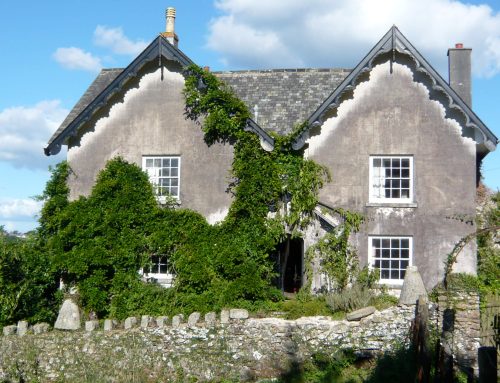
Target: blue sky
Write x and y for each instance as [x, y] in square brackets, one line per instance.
[51, 51]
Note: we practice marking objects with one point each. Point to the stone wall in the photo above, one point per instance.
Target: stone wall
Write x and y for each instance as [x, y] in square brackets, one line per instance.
[229, 346]
[232, 346]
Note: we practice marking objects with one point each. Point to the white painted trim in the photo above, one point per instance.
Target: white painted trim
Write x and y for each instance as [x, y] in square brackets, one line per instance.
[371, 255]
[389, 201]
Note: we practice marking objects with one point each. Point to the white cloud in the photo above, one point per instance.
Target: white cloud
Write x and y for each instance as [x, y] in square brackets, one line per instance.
[19, 214]
[114, 39]
[19, 208]
[24, 132]
[76, 58]
[325, 33]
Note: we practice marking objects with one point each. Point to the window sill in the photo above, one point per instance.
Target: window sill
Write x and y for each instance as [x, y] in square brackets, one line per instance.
[392, 204]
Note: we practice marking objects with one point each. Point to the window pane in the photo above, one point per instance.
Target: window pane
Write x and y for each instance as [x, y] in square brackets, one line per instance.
[395, 193]
[394, 274]
[386, 253]
[405, 243]
[405, 253]
[395, 243]
[376, 242]
[405, 173]
[394, 253]
[405, 193]
[174, 182]
[385, 264]
[377, 264]
[174, 172]
[163, 268]
[396, 162]
[396, 173]
[402, 274]
[394, 264]
[405, 184]
[149, 162]
[405, 163]
[385, 243]
[174, 162]
[166, 162]
[157, 162]
[376, 162]
[377, 253]
[174, 191]
[384, 274]
[386, 162]
[404, 265]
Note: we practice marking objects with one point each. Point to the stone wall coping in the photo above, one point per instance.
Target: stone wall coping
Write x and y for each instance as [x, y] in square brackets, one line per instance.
[226, 317]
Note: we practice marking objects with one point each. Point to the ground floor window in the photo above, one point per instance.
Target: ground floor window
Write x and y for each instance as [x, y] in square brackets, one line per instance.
[391, 256]
[159, 270]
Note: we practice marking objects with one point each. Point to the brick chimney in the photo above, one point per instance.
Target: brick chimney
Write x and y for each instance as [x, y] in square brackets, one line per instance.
[169, 33]
[459, 66]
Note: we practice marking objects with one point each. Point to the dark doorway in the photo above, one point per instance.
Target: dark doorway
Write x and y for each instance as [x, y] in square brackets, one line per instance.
[289, 262]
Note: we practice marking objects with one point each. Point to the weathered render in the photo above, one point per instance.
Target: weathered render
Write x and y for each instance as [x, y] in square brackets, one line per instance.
[391, 114]
[150, 121]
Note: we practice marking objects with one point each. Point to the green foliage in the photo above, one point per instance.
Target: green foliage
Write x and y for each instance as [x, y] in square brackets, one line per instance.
[489, 249]
[324, 368]
[338, 259]
[28, 288]
[103, 240]
[313, 306]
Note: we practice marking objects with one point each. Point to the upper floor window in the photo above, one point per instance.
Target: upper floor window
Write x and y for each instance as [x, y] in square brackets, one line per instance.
[164, 174]
[391, 179]
[391, 256]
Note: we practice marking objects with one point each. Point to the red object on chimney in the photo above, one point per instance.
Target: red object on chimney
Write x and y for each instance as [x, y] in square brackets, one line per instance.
[459, 45]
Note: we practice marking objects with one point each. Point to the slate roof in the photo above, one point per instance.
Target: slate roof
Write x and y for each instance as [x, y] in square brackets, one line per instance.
[284, 97]
[103, 79]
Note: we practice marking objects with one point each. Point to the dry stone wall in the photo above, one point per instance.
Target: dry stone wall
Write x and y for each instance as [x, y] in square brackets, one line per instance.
[232, 347]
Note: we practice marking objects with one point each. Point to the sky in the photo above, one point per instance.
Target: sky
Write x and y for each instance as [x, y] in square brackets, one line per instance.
[52, 50]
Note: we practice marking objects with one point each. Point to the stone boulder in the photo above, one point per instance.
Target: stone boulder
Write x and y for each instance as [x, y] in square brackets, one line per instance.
[413, 287]
[69, 316]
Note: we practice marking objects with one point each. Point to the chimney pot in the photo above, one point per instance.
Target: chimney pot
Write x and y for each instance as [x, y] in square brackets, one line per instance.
[169, 33]
[459, 45]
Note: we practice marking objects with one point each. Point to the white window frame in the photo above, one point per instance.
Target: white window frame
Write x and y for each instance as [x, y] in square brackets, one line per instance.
[155, 174]
[165, 279]
[386, 254]
[375, 178]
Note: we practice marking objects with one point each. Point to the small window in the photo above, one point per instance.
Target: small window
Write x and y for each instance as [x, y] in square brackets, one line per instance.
[391, 256]
[159, 270]
[391, 179]
[164, 175]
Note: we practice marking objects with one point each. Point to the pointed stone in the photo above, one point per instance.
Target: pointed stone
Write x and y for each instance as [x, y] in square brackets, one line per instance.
[130, 322]
[91, 325]
[22, 327]
[193, 318]
[413, 287]
[238, 314]
[69, 316]
[10, 330]
[40, 328]
[161, 321]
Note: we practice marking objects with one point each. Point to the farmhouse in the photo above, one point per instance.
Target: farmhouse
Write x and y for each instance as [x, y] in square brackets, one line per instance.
[403, 146]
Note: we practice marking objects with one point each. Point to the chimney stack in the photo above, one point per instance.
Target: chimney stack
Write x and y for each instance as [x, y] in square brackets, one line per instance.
[459, 66]
[169, 33]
